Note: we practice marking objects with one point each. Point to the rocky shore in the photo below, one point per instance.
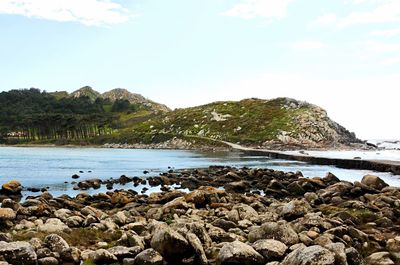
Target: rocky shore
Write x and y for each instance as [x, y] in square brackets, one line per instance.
[218, 215]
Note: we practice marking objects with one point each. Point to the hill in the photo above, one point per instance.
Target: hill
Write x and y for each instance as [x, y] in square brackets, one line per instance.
[269, 123]
[121, 117]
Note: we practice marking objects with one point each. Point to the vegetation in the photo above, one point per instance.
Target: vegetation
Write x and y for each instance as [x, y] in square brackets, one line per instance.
[118, 116]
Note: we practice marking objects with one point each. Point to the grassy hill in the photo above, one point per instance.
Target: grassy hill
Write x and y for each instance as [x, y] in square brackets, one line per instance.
[251, 121]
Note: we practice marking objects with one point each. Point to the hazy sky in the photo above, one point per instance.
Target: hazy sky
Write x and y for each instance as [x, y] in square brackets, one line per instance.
[343, 55]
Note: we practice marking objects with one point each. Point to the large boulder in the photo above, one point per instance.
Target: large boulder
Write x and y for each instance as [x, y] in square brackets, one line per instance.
[280, 231]
[295, 209]
[170, 244]
[12, 187]
[239, 253]
[379, 258]
[18, 253]
[53, 225]
[56, 243]
[149, 257]
[374, 182]
[270, 249]
[7, 214]
[314, 255]
[102, 256]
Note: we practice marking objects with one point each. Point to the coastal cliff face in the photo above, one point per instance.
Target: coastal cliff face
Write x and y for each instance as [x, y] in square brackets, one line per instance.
[268, 123]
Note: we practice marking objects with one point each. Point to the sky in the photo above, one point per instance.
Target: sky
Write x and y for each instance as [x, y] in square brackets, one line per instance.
[342, 55]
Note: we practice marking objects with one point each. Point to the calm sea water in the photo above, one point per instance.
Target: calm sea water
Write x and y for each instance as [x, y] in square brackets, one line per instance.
[51, 167]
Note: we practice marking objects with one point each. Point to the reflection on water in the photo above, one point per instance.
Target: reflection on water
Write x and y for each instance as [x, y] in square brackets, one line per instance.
[51, 167]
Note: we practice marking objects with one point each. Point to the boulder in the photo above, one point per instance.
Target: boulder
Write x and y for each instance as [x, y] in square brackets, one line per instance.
[12, 187]
[124, 252]
[379, 258]
[314, 255]
[239, 253]
[53, 225]
[354, 257]
[170, 244]
[280, 231]
[7, 214]
[18, 253]
[102, 256]
[48, 261]
[374, 182]
[270, 249]
[149, 257]
[56, 243]
[195, 242]
[295, 209]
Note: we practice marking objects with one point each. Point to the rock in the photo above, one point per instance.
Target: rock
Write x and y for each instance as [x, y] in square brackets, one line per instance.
[9, 203]
[393, 245]
[374, 182]
[226, 225]
[18, 253]
[131, 239]
[379, 258]
[270, 249]
[7, 214]
[353, 257]
[62, 214]
[102, 256]
[75, 176]
[204, 195]
[314, 255]
[340, 253]
[237, 186]
[280, 231]
[238, 253]
[149, 257]
[53, 225]
[295, 209]
[195, 242]
[170, 244]
[56, 243]
[12, 187]
[124, 252]
[74, 221]
[48, 261]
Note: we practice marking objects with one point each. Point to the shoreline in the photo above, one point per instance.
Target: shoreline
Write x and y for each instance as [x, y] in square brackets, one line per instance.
[337, 221]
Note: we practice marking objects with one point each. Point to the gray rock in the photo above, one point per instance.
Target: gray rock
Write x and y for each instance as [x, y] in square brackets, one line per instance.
[124, 252]
[102, 256]
[314, 255]
[74, 221]
[270, 249]
[374, 182]
[56, 243]
[48, 261]
[295, 209]
[280, 231]
[149, 257]
[195, 242]
[340, 252]
[238, 253]
[170, 244]
[353, 257]
[53, 225]
[379, 258]
[7, 214]
[18, 253]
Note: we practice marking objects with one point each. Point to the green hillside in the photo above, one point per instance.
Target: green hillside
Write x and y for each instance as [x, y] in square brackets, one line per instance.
[250, 121]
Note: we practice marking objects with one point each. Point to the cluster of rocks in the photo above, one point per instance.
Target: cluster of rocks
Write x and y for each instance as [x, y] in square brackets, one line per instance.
[260, 217]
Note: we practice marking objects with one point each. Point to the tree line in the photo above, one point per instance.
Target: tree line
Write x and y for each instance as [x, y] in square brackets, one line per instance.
[32, 114]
